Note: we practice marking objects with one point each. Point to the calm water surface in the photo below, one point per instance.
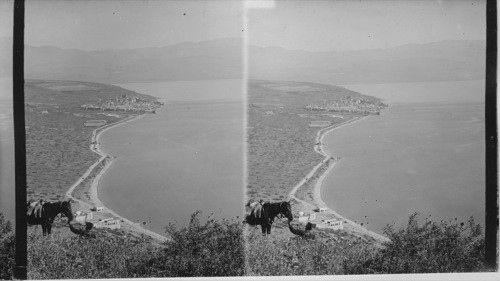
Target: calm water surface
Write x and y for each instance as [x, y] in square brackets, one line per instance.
[187, 157]
[7, 164]
[424, 154]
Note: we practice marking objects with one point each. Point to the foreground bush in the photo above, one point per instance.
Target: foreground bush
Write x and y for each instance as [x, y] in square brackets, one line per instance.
[79, 257]
[7, 249]
[274, 255]
[215, 248]
[218, 248]
[428, 248]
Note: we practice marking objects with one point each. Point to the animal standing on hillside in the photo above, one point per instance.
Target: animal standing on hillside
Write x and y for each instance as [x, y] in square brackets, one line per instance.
[305, 234]
[263, 214]
[44, 213]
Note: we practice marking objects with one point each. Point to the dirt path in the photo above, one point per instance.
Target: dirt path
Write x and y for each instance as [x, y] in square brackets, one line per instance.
[127, 225]
[318, 201]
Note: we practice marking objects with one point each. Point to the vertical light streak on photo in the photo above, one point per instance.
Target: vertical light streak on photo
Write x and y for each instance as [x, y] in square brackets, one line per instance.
[6, 114]
[248, 6]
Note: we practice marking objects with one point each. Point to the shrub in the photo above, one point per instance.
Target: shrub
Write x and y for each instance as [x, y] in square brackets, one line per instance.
[428, 248]
[215, 248]
[275, 255]
[218, 248]
[106, 256]
[7, 249]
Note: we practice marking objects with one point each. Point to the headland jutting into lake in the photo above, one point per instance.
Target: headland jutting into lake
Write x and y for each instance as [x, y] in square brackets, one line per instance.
[60, 124]
[286, 125]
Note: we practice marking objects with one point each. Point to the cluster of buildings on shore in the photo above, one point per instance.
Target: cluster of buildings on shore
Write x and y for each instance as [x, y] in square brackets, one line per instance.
[83, 217]
[124, 103]
[349, 104]
[333, 224]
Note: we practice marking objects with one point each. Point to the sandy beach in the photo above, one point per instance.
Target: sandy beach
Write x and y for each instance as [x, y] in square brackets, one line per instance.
[137, 230]
[127, 225]
[317, 200]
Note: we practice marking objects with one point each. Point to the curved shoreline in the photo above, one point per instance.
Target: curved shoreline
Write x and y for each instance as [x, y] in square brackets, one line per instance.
[93, 190]
[93, 149]
[318, 148]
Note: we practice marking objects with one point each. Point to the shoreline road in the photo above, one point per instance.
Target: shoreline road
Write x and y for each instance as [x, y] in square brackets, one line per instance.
[319, 203]
[94, 199]
[95, 148]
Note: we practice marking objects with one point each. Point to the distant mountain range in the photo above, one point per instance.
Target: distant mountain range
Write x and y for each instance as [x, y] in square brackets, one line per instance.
[445, 60]
[223, 59]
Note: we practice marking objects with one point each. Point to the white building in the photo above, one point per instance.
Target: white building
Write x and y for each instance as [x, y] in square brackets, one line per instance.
[114, 224]
[338, 225]
[303, 218]
[331, 224]
[80, 219]
[108, 223]
[99, 209]
[89, 215]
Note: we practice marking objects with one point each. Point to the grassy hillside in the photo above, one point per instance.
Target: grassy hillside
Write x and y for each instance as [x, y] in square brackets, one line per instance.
[216, 248]
[7, 249]
[280, 154]
[429, 247]
[57, 142]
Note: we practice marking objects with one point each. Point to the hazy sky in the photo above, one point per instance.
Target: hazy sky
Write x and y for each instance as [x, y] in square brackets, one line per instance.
[92, 25]
[292, 24]
[349, 25]
[6, 15]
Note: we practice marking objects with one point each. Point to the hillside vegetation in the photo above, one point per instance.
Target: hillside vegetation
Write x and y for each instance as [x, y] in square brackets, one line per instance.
[217, 248]
[280, 140]
[280, 154]
[7, 249]
[57, 142]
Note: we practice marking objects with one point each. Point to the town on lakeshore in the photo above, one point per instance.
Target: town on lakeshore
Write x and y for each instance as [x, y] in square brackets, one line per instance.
[124, 103]
[349, 104]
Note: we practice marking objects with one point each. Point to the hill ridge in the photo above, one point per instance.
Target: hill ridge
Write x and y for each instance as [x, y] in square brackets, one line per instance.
[223, 59]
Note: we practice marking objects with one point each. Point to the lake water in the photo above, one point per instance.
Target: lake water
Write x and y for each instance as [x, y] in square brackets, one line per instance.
[7, 164]
[187, 157]
[424, 154]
